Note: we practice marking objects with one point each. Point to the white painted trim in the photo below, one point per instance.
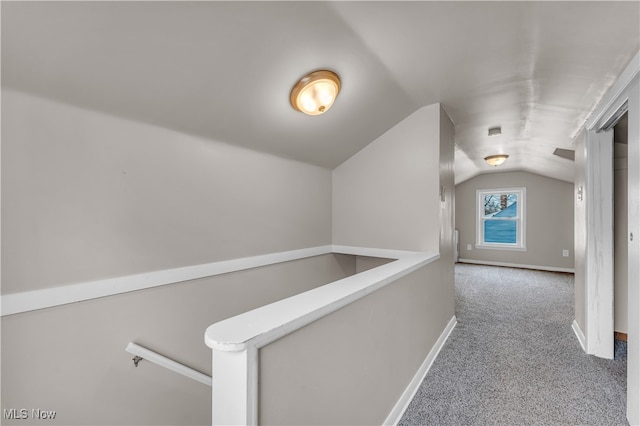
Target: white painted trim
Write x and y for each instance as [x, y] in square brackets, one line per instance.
[167, 363]
[518, 265]
[633, 306]
[268, 323]
[521, 244]
[503, 247]
[598, 197]
[234, 341]
[234, 393]
[407, 396]
[45, 298]
[49, 297]
[615, 97]
[580, 335]
[625, 89]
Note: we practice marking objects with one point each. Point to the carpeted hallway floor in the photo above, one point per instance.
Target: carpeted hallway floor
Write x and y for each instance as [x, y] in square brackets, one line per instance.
[513, 358]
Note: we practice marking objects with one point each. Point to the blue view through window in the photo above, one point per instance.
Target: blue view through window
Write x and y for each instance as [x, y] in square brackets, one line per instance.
[501, 231]
[500, 218]
[500, 215]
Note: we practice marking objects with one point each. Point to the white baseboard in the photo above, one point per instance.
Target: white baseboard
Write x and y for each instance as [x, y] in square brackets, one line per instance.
[407, 396]
[579, 335]
[518, 265]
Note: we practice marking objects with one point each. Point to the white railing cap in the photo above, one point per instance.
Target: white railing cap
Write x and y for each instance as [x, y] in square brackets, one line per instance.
[267, 323]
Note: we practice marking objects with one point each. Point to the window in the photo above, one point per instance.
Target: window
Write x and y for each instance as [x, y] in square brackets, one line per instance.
[501, 222]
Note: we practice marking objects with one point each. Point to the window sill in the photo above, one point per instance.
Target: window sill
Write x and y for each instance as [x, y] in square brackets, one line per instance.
[500, 247]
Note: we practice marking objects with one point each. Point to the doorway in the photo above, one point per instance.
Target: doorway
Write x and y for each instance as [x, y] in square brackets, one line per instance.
[620, 234]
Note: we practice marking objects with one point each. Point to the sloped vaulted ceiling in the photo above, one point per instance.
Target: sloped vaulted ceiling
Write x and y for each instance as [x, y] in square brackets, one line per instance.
[223, 70]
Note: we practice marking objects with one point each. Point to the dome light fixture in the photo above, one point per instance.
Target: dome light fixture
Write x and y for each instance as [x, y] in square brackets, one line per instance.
[314, 93]
[496, 160]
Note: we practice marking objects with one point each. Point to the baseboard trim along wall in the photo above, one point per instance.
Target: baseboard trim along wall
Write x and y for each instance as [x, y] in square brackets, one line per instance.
[16, 303]
[407, 396]
[518, 265]
[580, 335]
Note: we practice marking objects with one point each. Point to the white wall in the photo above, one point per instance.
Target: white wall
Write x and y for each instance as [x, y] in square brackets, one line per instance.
[87, 196]
[386, 195]
[549, 220]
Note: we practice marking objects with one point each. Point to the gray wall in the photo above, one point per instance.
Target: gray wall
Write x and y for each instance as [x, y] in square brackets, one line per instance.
[351, 367]
[71, 358]
[448, 205]
[87, 196]
[549, 219]
[364, 263]
[621, 245]
[386, 195]
[580, 226]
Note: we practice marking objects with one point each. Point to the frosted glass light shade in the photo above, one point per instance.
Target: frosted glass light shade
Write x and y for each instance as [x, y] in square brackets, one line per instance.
[314, 93]
[496, 160]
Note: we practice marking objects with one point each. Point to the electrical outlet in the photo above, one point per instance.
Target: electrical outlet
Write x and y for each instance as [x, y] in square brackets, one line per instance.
[468, 246]
[565, 253]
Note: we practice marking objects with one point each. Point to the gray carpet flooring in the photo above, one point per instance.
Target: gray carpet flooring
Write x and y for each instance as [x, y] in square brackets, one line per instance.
[513, 358]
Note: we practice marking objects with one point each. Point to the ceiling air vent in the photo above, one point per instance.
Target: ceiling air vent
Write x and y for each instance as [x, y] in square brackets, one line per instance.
[569, 154]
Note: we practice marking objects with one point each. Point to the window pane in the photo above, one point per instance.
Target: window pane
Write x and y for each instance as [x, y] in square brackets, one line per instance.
[500, 205]
[500, 231]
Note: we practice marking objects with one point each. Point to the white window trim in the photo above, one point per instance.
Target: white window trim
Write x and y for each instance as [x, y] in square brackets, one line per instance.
[521, 245]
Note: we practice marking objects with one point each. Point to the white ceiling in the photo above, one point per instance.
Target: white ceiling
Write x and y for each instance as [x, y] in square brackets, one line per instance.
[223, 70]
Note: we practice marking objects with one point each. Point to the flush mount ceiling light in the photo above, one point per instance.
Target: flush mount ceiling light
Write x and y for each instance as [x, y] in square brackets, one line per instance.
[314, 93]
[496, 160]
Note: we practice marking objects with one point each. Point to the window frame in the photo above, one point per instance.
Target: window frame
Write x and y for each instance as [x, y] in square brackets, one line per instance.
[520, 220]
